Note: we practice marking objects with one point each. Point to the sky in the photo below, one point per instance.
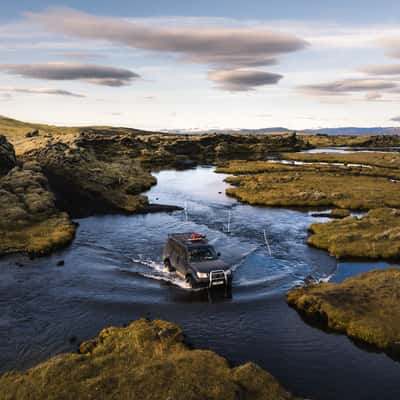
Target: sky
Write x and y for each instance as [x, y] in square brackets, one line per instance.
[165, 65]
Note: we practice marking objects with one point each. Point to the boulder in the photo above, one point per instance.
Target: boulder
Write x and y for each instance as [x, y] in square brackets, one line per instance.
[30, 221]
[7, 156]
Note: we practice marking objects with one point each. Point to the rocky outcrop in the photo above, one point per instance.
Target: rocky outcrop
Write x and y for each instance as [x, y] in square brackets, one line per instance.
[147, 361]
[364, 307]
[212, 148]
[105, 172]
[30, 221]
[87, 181]
[7, 156]
[102, 170]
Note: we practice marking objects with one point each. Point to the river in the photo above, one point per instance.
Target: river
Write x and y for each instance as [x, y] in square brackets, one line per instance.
[113, 275]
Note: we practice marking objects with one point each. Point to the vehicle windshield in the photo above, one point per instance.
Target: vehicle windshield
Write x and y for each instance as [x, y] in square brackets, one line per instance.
[203, 254]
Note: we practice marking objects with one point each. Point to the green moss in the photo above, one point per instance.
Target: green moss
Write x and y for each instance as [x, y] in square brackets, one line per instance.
[364, 307]
[339, 213]
[311, 189]
[30, 221]
[40, 238]
[376, 235]
[318, 140]
[376, 159]
[147, 361]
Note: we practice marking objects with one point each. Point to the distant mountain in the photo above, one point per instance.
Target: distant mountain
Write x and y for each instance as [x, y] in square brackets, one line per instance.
[354, 131]
[351, 131]
[9, 126]
[228, 131]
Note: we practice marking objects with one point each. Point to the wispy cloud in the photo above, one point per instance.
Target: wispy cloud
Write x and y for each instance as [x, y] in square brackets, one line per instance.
[373, 96]
[224, 48]
[387, 69]
[5, 97]
[46, 91]
[348, 86]
[243, 80]
[61, 71]
[81, 55]
[391, 44]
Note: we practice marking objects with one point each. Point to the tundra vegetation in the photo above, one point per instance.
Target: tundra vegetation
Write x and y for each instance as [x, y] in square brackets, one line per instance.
[365, 307]
[30, 220]
[275, 184]
[145, 360]
[375, 235]
[341, 187]
[51, 174]
[371, 158]
[372, 141]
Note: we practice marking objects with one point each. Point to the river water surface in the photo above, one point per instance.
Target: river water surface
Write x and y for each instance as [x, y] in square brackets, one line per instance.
[113, 275]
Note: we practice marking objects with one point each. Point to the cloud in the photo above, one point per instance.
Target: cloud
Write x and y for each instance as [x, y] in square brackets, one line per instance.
[388, 69]
[373, 96]
[347, 86]
[60, 71]
[223, 48]
[391, 46]
[81, 55]
[395, 119]
[5, 97]
[210, 45]
[57, 92]
[243, 80]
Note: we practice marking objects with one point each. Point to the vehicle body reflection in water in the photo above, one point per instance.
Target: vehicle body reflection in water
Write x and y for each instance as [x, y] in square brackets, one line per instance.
[113, 274]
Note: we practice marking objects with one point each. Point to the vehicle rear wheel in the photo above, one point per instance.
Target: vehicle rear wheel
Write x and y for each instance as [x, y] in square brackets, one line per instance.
[168, 266]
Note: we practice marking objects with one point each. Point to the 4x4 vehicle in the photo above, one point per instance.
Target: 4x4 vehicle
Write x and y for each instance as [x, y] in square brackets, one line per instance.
[195, 260]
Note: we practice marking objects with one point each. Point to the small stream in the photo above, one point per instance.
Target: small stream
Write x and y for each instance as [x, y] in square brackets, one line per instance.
[113, 275]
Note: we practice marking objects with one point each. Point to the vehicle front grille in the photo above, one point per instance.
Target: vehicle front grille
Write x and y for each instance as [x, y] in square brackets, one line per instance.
[218, 277]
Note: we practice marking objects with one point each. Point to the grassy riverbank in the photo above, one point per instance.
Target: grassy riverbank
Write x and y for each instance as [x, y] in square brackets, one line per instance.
[365, 307]
[147, 361]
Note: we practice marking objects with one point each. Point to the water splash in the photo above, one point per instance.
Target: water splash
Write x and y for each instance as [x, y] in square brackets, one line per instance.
[157, 271]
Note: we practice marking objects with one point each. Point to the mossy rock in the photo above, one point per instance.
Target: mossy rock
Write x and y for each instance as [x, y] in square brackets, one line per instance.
[365, 307]
[147, 360]
[7, 156]
[30, 221]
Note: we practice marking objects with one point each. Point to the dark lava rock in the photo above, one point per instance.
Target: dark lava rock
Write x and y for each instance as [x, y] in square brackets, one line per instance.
[7, 156]
[30, 221]
[34, 133]
[87, 180]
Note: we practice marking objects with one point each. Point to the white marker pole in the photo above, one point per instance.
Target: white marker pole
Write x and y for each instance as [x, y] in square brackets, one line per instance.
[186, 211]
[267, 244]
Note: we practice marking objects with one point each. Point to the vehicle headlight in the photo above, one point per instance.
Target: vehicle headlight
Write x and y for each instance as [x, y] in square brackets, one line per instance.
[202, 275]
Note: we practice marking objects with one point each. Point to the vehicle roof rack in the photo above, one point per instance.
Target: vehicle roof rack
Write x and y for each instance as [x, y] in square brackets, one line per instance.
[189, 237]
